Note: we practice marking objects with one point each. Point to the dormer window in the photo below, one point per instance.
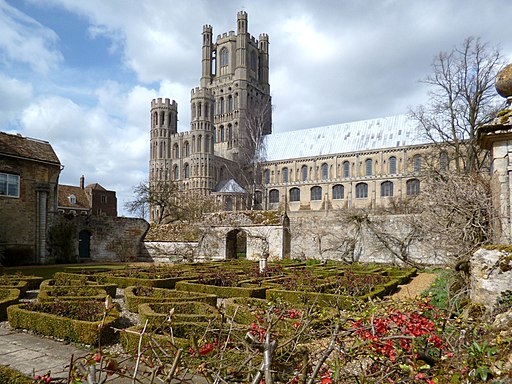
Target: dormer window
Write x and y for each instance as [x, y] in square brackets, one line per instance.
[72, 199]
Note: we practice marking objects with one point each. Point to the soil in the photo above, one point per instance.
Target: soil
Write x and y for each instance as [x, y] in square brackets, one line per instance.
[415, 287]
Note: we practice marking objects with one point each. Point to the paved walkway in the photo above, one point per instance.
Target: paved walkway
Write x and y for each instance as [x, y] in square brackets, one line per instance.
[31, 354]
[415, 287]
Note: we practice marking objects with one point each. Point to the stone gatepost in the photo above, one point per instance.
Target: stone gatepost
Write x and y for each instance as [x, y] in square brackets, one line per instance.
[497, 138]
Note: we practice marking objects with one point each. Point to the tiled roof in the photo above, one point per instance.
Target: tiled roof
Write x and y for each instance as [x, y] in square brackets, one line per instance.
[67, 190]
[387, 132]
[24, 147]
[95, 186]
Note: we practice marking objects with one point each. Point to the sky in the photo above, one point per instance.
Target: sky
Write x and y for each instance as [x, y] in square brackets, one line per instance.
[82, 74]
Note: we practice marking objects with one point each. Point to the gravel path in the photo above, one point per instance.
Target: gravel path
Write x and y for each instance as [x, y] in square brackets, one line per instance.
[416, 286]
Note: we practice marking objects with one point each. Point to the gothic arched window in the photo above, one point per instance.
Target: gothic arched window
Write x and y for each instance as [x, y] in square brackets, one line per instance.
[369, 167]
[392, 165]
[361, 191]
[443, 161]
[338, 191]
[294, 194]
[273, 196]
[230, 103]
[284, 174]
[316, 193]
[304, 173]
[413, 187]
[176, 173]
[224, 57]
[266, 176]
[187, 171]
[417, 163]
[187, 149]
[386, 189]
[346, 169]
[325, 171]
[221, 102]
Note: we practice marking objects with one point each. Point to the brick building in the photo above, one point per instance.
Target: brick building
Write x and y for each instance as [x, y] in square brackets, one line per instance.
[92, 199]
[29, 175]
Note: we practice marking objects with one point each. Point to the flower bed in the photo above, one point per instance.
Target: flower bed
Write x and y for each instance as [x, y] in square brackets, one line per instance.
[134, 296]
[184, 311]
[74, 321]
[8, 296]
[157, 277]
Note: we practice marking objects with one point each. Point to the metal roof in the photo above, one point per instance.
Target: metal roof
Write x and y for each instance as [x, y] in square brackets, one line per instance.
[387, 132]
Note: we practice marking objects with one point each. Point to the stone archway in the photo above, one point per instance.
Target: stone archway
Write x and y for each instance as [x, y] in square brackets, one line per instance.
[236, 244]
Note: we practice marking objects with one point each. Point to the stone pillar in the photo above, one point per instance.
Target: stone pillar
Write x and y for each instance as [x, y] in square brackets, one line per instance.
[42, 191]
[497, 138]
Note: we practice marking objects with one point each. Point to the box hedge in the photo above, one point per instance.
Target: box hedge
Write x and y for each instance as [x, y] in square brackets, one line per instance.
[110, 289]
[11, 376]
[22, 286]
[127, 281]
[8, 296]
[67, 293]
[224, 292]
[184, 311]
[153, 343]
[60, 327]
[162, 295]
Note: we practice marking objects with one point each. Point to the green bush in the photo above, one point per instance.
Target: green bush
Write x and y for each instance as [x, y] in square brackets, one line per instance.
[8, 296]
[80, 331]
[184, 311]
[192, 286]
[71, 293]
[168, 345]
[82, 281]
[11, 376]
[17, 284]
[134, 296]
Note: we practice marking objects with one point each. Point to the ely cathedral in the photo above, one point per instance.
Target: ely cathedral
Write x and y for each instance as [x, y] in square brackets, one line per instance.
[357, 164]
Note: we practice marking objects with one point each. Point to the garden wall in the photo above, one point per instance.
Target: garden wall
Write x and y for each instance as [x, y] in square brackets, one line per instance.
[167, 251]
[327, 235]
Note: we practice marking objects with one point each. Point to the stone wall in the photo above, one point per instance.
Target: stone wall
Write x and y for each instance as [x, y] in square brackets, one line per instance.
[491, 274]
[385, 239]
[168, 252]
[111, 238]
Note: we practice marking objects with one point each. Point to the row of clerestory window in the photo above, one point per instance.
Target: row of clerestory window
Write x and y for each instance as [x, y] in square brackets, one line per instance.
[338, 191]
[324, 168]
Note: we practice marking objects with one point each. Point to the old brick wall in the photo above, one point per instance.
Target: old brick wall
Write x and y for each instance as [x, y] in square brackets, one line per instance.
[18, 216]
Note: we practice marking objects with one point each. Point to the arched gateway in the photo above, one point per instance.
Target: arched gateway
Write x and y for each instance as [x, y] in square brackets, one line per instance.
[261, 234]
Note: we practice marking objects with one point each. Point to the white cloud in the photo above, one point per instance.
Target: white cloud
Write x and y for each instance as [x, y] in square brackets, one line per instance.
[24, 40]
[14, 95]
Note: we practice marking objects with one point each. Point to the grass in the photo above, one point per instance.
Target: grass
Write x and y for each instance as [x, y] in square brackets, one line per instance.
[439, 290]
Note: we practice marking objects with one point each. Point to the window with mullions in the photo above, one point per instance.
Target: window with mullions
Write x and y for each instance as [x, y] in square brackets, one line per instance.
[316, 193]
[294, 194]
[443, 161]
[392, 165]
[224, 57]
[386, 189]
[9, 185]
[338, 191]
[413, 187]
[361, 191]
[273, 196]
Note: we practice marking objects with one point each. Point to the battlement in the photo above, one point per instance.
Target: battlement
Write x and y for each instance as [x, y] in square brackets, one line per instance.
[263, 37]
[242, 15]
[226, 35]
[163, 103]
[207, 28]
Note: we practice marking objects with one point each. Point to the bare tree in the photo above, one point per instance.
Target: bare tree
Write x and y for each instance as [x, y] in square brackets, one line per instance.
[170, 203]
[462, 97]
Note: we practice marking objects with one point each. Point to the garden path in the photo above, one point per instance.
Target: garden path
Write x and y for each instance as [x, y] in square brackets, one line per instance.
[415, 287]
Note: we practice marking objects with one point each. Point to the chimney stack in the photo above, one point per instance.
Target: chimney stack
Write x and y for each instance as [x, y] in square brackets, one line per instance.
[82, 181]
